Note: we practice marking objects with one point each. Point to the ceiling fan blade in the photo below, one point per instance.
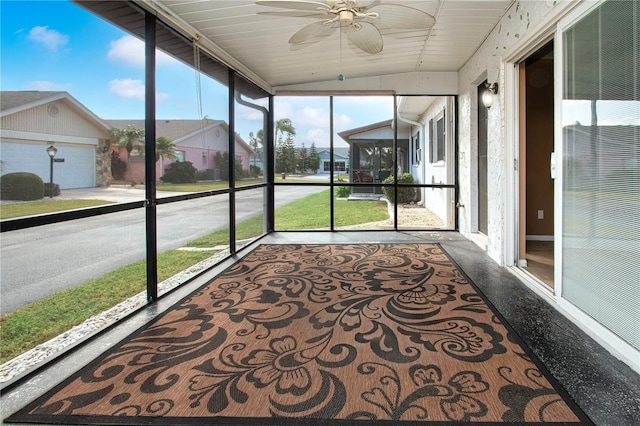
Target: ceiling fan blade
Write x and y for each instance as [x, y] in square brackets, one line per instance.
[294, 4]
[367, 37]
[364, 3]
[297, 14]
[404, 17]
[311, 31]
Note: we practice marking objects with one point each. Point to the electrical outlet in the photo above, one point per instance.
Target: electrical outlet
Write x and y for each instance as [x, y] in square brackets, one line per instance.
[540, 214]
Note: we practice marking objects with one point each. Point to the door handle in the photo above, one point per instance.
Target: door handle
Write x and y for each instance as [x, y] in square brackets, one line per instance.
[552, 165]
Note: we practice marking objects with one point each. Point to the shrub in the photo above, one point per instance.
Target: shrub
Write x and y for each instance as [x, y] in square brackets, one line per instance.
[180, 172]
[405, 194]
[56, 189]
[118, 166]
[254, 171]
[342, 191]
[21, 186]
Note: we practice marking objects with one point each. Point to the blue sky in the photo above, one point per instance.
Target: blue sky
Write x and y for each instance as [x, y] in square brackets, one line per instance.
[56, 45]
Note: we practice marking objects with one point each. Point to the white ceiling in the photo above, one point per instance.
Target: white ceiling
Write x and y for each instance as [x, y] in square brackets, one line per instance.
[260, 42]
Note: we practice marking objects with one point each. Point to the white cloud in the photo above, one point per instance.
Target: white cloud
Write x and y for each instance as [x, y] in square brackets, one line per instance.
[311, 115]
[162, 97]
[48, 86]
[319, 136]
[132, 89]
[248, 114]
[129, 51]
[314, 116]
[342, 121]
[51, 39]
[282, 110]
[127, 88]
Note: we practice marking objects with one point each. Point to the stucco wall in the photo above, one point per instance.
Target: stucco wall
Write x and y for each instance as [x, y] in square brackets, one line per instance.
[521, 19]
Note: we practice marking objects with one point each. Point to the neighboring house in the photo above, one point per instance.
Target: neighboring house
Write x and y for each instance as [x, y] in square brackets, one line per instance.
[371, 153]
[340, 160]
[33, 120]
[431, 147]
[197, 141]
[426, 136]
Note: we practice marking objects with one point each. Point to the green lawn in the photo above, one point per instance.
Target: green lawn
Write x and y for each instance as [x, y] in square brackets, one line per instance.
[10, 211]
[47, 318]
[312, 212]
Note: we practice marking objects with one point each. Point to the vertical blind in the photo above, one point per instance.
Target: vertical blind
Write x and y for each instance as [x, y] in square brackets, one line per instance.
[601, 163]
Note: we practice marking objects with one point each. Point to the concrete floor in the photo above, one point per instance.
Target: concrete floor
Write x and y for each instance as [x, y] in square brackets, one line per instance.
[604, 387]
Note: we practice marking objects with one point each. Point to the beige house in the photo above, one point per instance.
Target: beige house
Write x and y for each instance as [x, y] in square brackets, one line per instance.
[34, 120]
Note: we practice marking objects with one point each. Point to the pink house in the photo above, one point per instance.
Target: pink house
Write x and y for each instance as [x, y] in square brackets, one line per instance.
[197, 141]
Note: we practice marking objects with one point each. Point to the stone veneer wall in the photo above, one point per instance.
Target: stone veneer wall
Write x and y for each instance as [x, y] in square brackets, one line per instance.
[486, 63]
[103, 164]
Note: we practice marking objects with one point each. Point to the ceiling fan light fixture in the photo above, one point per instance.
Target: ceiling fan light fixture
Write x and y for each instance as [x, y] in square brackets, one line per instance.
[346, 17]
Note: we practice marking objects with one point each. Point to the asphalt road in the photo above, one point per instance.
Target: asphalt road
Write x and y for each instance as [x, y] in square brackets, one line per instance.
[40, 261]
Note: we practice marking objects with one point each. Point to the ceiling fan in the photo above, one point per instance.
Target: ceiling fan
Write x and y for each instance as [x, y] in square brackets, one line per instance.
[362, 19]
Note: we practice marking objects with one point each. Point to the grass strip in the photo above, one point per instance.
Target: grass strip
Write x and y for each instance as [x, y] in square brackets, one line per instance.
[40, 321]
[10, 211]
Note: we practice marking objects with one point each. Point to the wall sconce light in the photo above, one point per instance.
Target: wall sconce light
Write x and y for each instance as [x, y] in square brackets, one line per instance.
[490, 91]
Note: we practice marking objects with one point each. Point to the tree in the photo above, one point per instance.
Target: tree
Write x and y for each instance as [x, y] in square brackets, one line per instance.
[302, 158]
[313, 161]
[257, 142]
[165, 148]
[285, 148]
[289, 155]
[128, 137]
[284, 125]
[222, 162]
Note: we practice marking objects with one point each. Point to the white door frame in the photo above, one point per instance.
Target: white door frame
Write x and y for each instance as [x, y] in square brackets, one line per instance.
[526, 46]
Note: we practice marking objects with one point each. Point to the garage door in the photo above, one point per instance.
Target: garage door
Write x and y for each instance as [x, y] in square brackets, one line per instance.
[78, 169]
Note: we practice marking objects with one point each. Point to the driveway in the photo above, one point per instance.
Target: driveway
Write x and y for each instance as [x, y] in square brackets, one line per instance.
[40, 261]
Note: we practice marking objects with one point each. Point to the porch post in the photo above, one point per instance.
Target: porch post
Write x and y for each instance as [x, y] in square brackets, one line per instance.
[150, 156]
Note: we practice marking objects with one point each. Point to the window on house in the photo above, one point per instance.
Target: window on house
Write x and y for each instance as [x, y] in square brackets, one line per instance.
[437, 135]
[339, 166]
[326, 166]
[179, 155]
[416, 144]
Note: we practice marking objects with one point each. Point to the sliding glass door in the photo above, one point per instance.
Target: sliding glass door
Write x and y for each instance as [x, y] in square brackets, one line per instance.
[599, 246]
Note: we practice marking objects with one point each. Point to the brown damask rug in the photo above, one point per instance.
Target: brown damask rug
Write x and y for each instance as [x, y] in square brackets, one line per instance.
[362, 332]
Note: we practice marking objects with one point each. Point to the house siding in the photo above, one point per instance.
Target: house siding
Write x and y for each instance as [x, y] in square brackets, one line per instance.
[67, 122]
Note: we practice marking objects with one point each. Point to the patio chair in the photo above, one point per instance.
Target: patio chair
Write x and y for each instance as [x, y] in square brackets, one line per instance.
[363, 177]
